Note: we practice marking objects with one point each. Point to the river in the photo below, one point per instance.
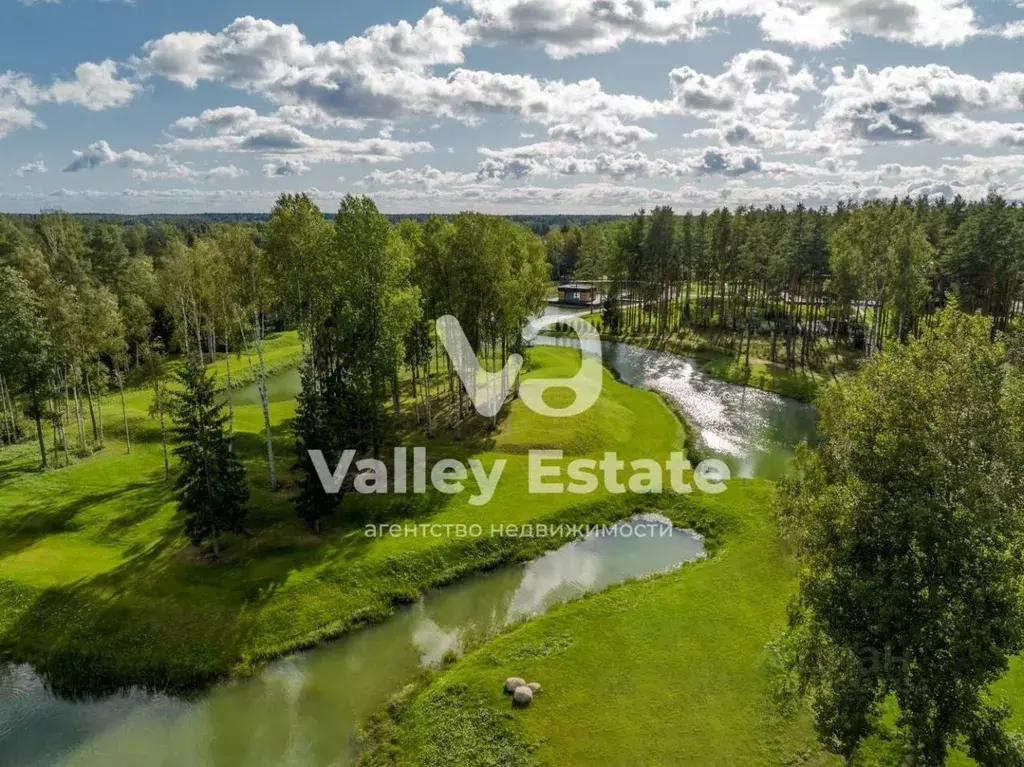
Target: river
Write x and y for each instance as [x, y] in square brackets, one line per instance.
[303, 710]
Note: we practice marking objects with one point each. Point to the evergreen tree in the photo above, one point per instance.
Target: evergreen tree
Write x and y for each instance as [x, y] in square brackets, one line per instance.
[211, 488]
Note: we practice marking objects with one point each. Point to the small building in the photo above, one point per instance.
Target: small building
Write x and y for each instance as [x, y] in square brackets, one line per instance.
[578, 294]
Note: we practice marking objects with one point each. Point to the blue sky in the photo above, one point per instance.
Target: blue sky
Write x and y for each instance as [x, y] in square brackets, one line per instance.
[507, 105]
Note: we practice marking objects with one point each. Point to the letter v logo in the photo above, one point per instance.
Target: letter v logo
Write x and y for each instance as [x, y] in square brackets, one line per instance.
[489, 390]
[486, 390]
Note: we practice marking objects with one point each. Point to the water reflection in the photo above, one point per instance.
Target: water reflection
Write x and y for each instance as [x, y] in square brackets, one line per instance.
[302, 711]
[754, 430]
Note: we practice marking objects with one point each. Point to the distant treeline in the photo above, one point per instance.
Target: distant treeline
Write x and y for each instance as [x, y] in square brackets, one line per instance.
[199, 223]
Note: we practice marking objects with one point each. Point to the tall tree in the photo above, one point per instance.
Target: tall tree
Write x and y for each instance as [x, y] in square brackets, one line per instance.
[907, 518]
[211, 488]
[25, 348]
[376, 305]
[246, 296]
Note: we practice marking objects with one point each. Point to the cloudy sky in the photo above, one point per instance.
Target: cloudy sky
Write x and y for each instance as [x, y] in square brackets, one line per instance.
[510, 106]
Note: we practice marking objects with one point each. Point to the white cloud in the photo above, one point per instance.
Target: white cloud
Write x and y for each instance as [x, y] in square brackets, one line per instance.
[573, 27]
[540, 160]
[168, 169]
[224, 172]
[426, 177]
[287, 167]
[751, 103]
[825, 183]
[907, 104]
[242, 129]
[383, 75]
[95, 87]
[17, 94]
[257, 52]
[36, 166]
[101, 153]
[600, 131]
[1013, 31]
[147, 167]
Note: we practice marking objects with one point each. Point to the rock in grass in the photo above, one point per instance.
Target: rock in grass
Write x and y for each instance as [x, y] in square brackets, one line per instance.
[523, 696]
[512, 683]
[534, 686]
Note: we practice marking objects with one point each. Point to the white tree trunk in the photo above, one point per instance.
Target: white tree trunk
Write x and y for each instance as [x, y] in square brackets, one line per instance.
[264, 402]
[124, 412]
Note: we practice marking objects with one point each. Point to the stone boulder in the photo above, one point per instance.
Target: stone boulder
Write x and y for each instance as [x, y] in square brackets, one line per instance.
[534, 686]
[512, 683]
[523, 696]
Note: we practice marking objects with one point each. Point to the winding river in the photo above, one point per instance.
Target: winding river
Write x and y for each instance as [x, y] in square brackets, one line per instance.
[303, 710]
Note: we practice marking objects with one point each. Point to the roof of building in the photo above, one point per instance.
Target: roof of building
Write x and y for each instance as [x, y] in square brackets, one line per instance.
[576, 286]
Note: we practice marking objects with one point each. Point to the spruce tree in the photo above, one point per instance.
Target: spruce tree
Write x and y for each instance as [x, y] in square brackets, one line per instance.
[210, 488]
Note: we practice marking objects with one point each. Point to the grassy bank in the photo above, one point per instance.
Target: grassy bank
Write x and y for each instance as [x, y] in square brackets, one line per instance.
[98, 587]
[666, 671]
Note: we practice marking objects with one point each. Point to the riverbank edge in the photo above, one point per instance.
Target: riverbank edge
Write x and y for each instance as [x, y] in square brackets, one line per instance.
[377, 735]
[75, 671]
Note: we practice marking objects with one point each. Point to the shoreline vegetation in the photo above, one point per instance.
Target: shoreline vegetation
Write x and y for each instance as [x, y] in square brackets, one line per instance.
[603, 657]
[130, 557]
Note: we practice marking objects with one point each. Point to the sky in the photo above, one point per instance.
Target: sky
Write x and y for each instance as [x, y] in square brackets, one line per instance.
[506, 106]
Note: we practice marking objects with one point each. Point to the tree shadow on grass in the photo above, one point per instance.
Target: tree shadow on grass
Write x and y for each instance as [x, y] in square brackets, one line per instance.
[159, 620]
[18, 461]
[57, 515]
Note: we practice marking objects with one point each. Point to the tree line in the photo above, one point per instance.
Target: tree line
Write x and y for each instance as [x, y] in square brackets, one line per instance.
[90, 307]
[854, 276]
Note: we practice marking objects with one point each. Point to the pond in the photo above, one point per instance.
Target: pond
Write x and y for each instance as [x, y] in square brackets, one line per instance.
[302, 711]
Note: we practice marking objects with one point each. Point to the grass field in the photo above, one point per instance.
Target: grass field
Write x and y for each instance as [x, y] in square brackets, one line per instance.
[666, 671]
[98, 587]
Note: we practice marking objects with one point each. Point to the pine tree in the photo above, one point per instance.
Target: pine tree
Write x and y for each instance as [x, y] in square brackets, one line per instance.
[210, 488]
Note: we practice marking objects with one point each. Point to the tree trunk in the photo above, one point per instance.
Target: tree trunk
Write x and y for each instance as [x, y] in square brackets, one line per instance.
[99, 417]
[79, 414]
[231, 397]
[124, 412]
[38, 416]
[92, 413]
[163, 429]
[264, 402]
[5, 392]
[426, 400]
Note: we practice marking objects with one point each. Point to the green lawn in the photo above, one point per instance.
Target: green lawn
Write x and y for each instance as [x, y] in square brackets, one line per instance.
[98, 588]
[666, 671]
